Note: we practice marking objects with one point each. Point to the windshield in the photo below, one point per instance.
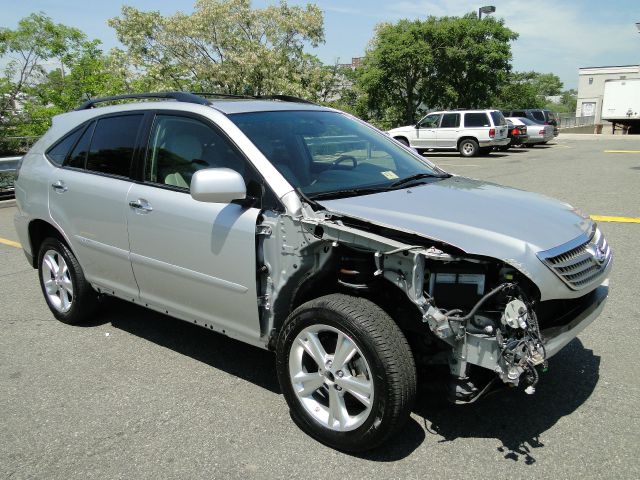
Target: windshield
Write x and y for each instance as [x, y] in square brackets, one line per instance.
[321, 152]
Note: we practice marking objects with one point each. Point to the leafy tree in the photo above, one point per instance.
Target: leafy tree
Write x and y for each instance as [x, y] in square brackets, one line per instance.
[528, 90]
[444, 62]
[226, 46]
[36, 40]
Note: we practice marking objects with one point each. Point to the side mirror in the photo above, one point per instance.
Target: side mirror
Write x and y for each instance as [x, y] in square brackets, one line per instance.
[217, 185]
[417, 125]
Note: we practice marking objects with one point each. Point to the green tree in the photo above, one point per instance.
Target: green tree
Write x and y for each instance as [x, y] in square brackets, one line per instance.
[36, 43]
[527, 90]
[444, 62]
[226, 46]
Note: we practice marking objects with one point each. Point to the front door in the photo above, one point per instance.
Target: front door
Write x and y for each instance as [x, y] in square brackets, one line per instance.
[193, 260]
[425, 135]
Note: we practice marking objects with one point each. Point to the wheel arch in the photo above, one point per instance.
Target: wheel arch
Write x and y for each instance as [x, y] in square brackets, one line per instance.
[39, 230]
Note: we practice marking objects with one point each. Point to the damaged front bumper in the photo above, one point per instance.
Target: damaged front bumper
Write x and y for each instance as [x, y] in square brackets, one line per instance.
[555, 338]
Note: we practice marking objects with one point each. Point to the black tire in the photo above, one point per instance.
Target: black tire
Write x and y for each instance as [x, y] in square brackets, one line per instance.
[84, 298]
[403, 141]
[385, 350]
[468, 147]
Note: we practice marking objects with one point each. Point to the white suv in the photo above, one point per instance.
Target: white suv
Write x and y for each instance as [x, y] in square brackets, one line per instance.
[471, 132]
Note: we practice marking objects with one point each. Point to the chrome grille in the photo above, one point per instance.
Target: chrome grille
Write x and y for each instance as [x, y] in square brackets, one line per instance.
[582, 265]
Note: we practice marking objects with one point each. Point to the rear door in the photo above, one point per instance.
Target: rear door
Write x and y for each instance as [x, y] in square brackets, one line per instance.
[87, 199]
[193, 260]
[449, 131]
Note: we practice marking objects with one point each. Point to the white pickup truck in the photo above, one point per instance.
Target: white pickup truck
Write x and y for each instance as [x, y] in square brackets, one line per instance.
[471, 132]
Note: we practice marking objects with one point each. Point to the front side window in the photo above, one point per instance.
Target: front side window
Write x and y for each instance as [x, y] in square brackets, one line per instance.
[180, 146]
[330, 154]
[450, 120]
[113, 144]
[430, 121]
[476, 119]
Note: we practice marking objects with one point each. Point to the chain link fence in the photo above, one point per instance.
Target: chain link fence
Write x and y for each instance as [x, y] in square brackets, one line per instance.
[569, 120]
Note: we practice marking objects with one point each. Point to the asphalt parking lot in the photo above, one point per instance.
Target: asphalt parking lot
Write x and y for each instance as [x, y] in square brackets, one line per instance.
[136, 394]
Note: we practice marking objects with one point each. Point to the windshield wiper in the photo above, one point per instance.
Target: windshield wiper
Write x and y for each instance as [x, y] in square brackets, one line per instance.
[348, 192]
[417, 176]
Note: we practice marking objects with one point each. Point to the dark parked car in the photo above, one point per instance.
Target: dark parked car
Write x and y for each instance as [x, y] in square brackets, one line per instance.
[538, 115]
[517, 135]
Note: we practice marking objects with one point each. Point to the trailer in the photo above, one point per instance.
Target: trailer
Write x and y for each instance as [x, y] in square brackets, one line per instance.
[621, 104]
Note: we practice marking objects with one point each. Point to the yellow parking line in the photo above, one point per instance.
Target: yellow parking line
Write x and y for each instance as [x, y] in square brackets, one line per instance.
[10, 243]
[622, 151]
[604, 218]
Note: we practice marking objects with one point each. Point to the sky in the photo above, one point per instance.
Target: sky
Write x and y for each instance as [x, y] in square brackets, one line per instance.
[556, 36]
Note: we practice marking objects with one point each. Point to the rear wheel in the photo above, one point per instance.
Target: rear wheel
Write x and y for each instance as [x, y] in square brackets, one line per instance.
[346, 371]
[69, 296]
[468, 147]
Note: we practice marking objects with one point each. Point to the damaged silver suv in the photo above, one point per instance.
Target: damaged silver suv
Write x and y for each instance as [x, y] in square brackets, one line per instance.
[303, 230]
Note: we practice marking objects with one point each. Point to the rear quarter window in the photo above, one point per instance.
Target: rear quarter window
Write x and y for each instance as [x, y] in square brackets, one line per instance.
[59, 151]
[476, 119]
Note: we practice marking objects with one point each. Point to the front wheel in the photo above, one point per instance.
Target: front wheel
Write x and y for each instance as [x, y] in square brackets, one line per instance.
[346, 371]
[468, 147]
[69, 296]
[403, 141]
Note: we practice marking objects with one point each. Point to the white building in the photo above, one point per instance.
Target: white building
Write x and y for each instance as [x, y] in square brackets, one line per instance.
[591, 87]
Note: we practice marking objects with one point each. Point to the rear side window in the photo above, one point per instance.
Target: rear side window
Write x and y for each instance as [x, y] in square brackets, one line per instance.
[78, 155]
[113, 144]
[450, 120]
[58, 153]
[498, 119]
[476, 119]
[538, 115]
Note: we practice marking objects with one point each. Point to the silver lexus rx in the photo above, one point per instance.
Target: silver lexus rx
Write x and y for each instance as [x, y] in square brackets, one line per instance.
[303, 230]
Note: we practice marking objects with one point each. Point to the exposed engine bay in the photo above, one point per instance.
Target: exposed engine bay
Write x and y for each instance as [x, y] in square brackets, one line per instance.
[475, 314]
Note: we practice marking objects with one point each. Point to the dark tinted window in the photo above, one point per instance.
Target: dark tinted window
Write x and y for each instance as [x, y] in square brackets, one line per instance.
[498, 119]
[180, 146]
[538, 115]
[60, 150]
[112, 145]
[450, 120]
[78, 155]
[478, 119]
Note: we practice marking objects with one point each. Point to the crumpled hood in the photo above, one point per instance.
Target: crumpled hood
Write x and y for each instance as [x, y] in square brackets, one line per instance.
[478, 217]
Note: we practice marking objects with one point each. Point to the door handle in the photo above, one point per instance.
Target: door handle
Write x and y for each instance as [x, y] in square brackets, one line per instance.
[141, 205]
[59, 186]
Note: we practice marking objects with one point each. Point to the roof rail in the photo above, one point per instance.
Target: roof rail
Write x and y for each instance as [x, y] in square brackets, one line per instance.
[178, 96]
[283, 98]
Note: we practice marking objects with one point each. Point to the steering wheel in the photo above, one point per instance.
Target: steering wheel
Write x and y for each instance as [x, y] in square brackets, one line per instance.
[199, 161]
[343, 158]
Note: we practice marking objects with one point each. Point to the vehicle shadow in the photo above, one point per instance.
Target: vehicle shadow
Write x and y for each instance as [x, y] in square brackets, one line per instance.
[244, 361]
[515, 419]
